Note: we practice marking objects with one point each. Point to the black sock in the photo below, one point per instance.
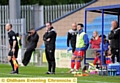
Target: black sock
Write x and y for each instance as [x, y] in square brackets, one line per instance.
[11, 62]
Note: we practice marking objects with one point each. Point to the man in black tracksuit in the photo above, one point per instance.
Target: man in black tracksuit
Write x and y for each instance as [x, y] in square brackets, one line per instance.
[49, 39]
[71, 37]
[32, 43]
[114, 41]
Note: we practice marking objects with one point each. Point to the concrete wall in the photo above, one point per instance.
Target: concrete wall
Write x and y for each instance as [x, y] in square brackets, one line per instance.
[62, 26]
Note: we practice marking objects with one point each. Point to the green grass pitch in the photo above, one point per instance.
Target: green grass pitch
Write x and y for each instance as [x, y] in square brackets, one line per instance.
[34, 71]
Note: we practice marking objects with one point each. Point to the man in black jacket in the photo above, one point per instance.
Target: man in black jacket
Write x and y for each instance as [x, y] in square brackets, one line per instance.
[114, 41]
[32, 43]
[71, 37]
[49, 39]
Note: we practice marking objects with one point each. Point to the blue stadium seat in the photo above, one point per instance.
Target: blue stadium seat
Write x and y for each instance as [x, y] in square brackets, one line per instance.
[108, 18]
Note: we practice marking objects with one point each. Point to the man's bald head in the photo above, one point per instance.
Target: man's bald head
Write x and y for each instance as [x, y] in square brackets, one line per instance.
[114, 24]
[8, 26]
[74, 26]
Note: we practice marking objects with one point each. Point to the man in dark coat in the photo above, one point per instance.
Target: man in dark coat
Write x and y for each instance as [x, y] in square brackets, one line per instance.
[71, 37]
[49, 39]
[114, 41]
[32, 43]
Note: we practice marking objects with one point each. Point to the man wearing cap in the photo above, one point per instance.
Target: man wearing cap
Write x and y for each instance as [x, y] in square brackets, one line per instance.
[32, 43]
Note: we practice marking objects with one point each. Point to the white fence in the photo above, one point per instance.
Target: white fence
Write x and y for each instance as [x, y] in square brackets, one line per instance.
[26, 13]
[37, 16]
[55, 11]
[18, 26]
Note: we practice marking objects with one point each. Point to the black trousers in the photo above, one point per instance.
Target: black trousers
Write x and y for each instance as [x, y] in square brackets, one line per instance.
[50, 56]
[27, 56]
[73, 49]
[115, 53]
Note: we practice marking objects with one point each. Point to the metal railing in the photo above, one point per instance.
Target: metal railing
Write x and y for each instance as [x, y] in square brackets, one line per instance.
[37, 16]
[26, 12]
[53, 12]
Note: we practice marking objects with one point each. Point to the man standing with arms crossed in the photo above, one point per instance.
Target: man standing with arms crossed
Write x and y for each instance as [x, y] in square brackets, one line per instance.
[82, 43]
[13, 45]
[49, 39]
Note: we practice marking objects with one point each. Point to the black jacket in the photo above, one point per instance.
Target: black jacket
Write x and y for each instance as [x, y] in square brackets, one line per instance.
[12, 37]
[32, 41]
[52, 36]
[71, 37]
[114, 38]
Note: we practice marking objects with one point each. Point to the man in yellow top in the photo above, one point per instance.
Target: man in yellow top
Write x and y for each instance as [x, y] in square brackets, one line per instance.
[82, 43]
[19, 51]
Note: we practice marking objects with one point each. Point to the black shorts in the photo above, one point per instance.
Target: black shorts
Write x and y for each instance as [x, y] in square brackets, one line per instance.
[15, 53]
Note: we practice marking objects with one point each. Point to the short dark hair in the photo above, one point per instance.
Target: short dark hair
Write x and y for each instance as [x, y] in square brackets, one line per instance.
[50, 23]
[80, 24]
